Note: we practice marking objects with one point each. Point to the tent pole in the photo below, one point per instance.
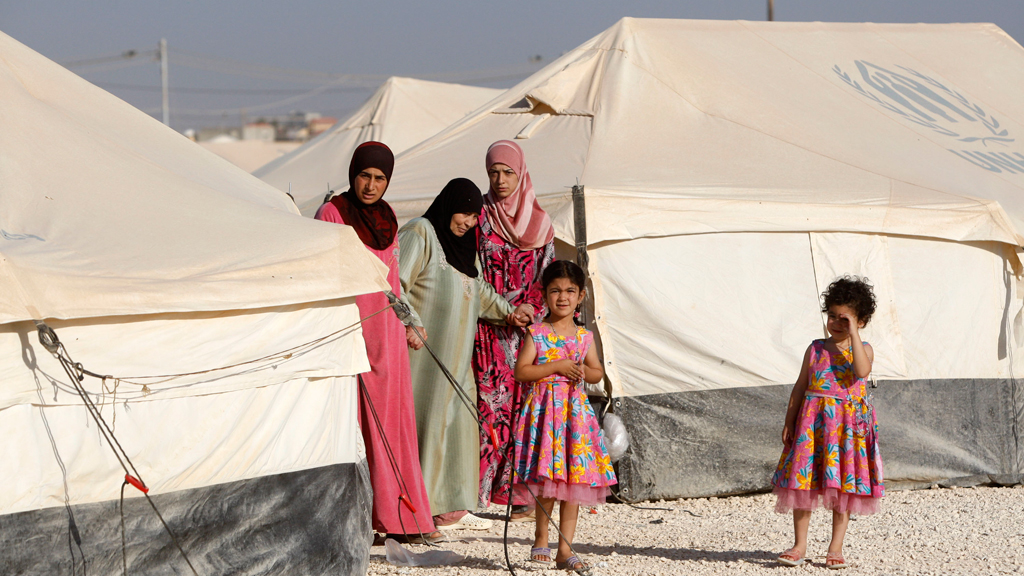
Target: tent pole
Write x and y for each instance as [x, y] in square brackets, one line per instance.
[165, 106]
[579, 212]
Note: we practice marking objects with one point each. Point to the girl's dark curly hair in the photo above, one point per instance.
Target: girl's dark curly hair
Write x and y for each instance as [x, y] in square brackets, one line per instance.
[851, 291]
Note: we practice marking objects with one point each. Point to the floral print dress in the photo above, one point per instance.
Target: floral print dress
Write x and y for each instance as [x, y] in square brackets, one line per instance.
[515, 274]
[833, 459]
[560, 452]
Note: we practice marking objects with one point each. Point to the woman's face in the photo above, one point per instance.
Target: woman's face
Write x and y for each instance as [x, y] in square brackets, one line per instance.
[462, 223]
[370, 185]
[504, 179]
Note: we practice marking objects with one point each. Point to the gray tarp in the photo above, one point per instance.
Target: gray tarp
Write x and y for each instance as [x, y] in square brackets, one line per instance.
[728, 441]
[312, 522]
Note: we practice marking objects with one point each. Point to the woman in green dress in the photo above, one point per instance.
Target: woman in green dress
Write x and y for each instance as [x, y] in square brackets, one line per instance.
[441, 277]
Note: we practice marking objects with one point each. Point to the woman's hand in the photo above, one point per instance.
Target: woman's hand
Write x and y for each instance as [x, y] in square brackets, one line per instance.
[787, 434]
[525, 311]
[413, 339]
[517, 320]
[569, 369]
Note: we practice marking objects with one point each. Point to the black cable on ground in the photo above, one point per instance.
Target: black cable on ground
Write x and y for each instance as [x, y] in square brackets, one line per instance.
[633, 505]
[124, 554]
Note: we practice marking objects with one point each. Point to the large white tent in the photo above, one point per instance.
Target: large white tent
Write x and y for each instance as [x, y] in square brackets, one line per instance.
[206, 296]
[732, 170]
[401, 113]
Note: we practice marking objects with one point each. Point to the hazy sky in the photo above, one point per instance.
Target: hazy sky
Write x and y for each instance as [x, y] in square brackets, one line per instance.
[400, 37]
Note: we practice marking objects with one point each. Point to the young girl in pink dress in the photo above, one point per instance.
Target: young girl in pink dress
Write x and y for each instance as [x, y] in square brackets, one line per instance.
[830, 436]
[560, 454]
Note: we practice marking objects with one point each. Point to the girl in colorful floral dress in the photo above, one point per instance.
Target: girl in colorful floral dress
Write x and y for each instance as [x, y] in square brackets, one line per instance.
[830, 436]
[559, 454]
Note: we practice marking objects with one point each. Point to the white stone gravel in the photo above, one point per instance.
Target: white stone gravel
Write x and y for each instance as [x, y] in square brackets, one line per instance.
[976, 530]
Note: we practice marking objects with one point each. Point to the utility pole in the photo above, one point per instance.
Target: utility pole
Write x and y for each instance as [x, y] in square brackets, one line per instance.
[163, 80]
[771, 10]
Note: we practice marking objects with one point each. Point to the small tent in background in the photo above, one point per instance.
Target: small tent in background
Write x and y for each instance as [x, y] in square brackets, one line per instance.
[250, 154]
[207, 298]
[731, 171]
[402, 112]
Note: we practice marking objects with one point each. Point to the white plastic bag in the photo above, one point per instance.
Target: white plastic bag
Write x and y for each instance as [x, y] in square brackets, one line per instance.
[399, 556]
[616, 439]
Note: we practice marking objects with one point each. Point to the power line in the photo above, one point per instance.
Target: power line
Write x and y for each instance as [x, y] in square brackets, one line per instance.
[119, 57]
[249, 91]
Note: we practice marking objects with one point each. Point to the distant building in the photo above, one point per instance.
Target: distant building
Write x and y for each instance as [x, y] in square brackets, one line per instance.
[259, 131]
[295, 126]
[319, 125]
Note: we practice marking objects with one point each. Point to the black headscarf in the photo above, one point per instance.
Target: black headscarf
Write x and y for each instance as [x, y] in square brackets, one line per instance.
[460, 196]
[375, 223]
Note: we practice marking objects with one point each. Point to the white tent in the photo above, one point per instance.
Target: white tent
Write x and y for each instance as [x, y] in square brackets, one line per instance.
[731, 170]
[250, 154]
[203, 292]
[403, 112]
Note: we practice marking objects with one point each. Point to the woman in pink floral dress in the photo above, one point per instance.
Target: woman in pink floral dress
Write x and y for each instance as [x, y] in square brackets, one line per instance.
[515, 244]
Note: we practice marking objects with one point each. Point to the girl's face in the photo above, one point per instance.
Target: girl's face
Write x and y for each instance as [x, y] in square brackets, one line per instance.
[462, 223]
[562, 297]
[504, 179]
[838, 326]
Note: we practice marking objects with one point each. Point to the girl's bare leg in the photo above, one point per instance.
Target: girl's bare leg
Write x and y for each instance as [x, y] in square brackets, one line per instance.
[540, 539]
[839, 524]
[567, 524]
[801, 522]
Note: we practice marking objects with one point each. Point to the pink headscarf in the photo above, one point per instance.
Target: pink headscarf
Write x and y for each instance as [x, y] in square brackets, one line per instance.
[518, 218]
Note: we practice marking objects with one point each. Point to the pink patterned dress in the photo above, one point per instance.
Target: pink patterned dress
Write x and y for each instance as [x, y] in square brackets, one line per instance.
[560, 452]
[515, 274]
[833, 458]
[388, 391]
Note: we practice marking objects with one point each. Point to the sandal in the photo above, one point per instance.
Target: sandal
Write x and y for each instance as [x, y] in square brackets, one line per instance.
[431, 538]
[525, 516]
[467, 522]
[840, 562]
[572, 564]
[537, 553]
[791, 558]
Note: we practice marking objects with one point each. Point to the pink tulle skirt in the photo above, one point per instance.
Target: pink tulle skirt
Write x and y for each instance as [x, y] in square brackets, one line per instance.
[832, 499]
[582, 494]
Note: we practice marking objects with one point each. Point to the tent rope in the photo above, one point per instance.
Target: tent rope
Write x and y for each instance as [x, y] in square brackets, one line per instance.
[76, 372]
[48, 338]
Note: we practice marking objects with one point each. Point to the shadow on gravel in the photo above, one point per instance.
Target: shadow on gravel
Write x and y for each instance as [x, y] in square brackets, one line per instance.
[765, 558]
[761, 557]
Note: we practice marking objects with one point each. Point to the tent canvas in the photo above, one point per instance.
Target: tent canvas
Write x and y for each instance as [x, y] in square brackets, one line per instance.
[401, 113]
[203, 293]
[731, 170]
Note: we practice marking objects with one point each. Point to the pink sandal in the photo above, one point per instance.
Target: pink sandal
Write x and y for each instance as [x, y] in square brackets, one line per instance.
[840, 562]
[791, 558]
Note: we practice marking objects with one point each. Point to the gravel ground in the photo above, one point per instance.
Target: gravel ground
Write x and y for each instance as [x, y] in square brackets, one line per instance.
[976, 530]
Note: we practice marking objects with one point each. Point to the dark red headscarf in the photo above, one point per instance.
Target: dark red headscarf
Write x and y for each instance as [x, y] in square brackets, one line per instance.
[375, 223]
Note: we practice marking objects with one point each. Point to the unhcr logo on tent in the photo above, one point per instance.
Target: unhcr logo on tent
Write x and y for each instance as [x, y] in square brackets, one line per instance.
[923, 100]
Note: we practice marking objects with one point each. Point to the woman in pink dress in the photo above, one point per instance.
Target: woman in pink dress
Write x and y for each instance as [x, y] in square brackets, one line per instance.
[388, 385]
[516, 243]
